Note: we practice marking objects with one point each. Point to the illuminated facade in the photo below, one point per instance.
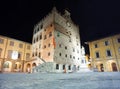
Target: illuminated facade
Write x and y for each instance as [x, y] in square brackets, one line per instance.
[105, 53]
[56, 44]
[13, 54]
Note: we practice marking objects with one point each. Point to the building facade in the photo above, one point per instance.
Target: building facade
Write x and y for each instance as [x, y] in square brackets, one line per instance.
[13, 54]
[56, 44]
[105, 53]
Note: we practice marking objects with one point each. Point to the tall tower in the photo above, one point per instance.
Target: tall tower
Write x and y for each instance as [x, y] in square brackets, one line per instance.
[56, 43]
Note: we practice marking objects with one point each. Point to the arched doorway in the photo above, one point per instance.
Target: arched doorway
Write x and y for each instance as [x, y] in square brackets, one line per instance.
[34, 65]
[101, 68]
[28, 68]
[17, 67]
[114, 67]
[7, 66]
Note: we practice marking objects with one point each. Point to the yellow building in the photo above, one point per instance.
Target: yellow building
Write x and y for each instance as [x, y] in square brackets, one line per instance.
[105, 53]
[14, 54]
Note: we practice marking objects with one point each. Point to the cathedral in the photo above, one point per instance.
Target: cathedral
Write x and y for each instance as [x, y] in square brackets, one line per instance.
[56, 44]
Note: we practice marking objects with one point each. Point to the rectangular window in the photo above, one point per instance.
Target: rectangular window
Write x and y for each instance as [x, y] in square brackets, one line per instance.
[118, 40]
[1, 41]
[108, 53]
[65, 55]
[65, 47]
[9, 54]
[50, 34]
[60, 45]
[49, 45]
[44, 46]
[11, 43]
[96, 46]
[27, 56]
[57, 66]
[59, 54]
[28, 47]
[97, 55]
[69, 67]
[19, 55]
[39, 55]
[106, 43]
[63, 67]
[49, 54]
[45, 37]
[40, 36]
[58, 34]
[20, 45]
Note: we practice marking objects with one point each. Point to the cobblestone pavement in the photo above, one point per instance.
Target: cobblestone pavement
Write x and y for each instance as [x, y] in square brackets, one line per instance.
[88, 80]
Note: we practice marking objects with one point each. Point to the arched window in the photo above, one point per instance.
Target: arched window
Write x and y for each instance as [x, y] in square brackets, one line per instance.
[6, 65]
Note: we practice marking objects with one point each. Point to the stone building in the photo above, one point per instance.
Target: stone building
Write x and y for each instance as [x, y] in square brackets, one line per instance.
[13, 54]
[105, 53]
[56, 44]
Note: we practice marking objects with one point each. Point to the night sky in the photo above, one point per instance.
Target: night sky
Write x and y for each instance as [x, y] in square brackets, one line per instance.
[96, 18]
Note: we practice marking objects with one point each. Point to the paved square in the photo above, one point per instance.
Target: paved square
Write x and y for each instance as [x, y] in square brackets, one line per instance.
[88, 80]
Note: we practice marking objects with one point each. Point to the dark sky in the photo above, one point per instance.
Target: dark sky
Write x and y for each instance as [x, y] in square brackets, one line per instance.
[96, 18]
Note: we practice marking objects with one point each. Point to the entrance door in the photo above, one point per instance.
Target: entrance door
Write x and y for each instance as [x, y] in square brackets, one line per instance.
[101, 68]
[114, 67]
